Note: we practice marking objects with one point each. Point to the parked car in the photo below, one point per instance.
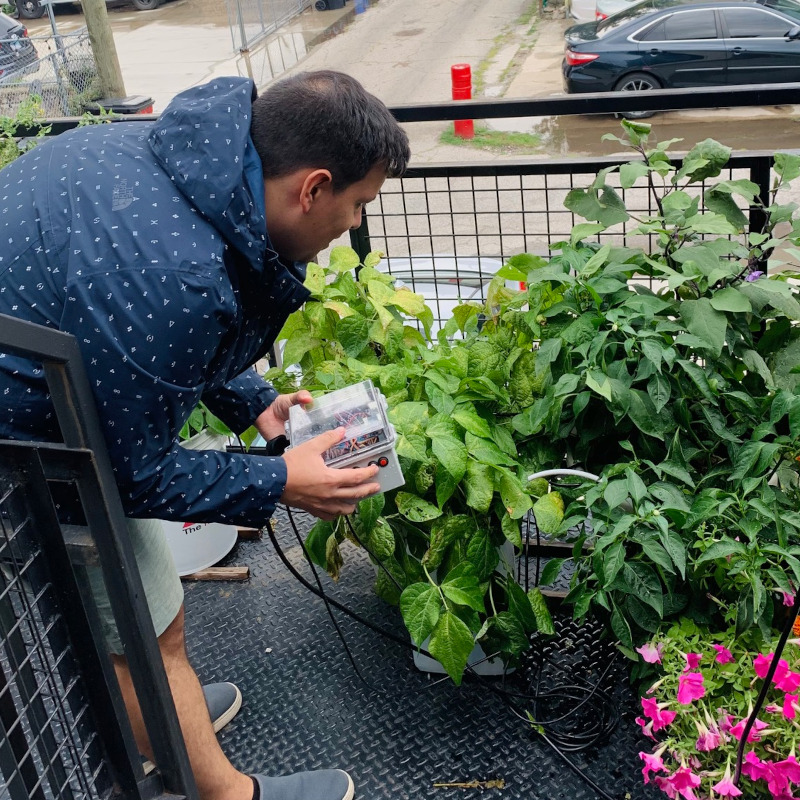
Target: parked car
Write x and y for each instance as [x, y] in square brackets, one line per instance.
[583, 10]
[18, 56]
[605, 8]
[34, 9]
[658, 44]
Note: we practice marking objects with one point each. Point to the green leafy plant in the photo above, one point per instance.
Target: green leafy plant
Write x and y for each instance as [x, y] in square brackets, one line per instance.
[439, 540]
[670, 370]
[28, 117]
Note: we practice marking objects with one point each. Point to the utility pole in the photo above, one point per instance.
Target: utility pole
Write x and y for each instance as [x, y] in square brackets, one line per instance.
[103, 47]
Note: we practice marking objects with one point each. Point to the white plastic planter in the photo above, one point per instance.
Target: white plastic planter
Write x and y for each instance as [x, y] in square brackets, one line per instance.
[199, 545]
[477, 658]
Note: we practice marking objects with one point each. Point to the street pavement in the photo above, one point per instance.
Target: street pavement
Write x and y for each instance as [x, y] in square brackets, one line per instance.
[402, 51]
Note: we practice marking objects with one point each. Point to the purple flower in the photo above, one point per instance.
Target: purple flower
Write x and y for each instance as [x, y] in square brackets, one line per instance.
[690, 687]
[726, 787]
[754, 276]
[788, 598]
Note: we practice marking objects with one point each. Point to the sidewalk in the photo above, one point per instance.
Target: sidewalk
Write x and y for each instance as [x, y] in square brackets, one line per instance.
[177, 46]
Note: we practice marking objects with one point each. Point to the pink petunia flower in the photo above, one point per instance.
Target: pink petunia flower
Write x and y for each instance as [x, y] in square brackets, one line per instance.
[726, 787]
[684, 782]
[761, 665]
[789, 681]
[665, 784]
[725, 721]
[790, 706]
[652, 763]
[754, 768]
[657, 713]
[690, 687]
[651, 653]
[709, 740]
[788, 598]
[789, 769]
[692, 661]
[647, 727]
[724, 656]
[738, 729]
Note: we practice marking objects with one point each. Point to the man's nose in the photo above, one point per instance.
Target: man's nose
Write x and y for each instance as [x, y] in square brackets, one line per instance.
[357, 219]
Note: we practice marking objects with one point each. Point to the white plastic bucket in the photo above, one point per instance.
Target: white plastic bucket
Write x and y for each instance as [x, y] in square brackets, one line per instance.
[199, 545]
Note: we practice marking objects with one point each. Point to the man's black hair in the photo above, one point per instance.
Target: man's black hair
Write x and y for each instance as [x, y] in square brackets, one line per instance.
[326, 120]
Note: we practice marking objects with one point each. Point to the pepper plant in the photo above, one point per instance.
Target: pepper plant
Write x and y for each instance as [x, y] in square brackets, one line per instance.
[671, 371]
[451, 398]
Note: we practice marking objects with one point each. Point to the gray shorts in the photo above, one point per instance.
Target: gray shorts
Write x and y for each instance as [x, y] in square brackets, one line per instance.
[162, 586]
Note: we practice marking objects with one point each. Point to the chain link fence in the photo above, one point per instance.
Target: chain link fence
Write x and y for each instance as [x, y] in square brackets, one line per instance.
[59, 69]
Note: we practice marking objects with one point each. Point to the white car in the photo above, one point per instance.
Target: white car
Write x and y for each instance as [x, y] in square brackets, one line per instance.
[582, 10]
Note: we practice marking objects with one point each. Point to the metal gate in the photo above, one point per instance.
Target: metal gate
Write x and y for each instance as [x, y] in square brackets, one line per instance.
[252, 20]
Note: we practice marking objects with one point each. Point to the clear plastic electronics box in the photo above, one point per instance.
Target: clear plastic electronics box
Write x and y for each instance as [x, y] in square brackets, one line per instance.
[369, 436]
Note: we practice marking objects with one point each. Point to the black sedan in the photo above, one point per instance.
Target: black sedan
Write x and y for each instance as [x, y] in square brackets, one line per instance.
[671, 44]
[17, 54]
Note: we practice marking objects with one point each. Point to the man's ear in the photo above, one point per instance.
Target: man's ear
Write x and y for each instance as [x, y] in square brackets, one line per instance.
[314, 183]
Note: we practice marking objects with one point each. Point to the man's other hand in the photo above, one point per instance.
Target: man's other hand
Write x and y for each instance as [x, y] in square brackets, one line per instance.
[319, 489]
[271, 422]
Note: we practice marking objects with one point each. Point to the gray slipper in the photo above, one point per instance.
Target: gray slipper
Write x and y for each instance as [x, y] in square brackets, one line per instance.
[321, 784]
[223, 701]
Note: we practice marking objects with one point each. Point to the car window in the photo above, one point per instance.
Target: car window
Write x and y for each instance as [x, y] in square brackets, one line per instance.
[751, 23]
[623, 17]
[655, 33]
[789, 7]
[700, 24]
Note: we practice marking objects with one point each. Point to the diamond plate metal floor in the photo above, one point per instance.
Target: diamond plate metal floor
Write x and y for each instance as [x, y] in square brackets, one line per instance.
[306, 708]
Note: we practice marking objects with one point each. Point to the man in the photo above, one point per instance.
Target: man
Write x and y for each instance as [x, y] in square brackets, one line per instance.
[174, 251]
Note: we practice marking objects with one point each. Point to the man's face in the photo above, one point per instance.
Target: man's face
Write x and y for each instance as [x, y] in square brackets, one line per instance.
[329, 216]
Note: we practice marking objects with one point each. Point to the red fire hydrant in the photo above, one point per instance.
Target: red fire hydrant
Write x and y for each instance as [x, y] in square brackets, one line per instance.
[461, 76]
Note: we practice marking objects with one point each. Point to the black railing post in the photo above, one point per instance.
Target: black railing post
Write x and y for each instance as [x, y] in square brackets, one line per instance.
[760, 174]
[359, 238]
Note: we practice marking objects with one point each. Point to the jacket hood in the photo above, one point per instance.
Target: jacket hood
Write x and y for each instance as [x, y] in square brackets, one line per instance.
[202, 140]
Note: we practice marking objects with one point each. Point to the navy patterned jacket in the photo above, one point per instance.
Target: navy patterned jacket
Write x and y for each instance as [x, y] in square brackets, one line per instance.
[148, 242]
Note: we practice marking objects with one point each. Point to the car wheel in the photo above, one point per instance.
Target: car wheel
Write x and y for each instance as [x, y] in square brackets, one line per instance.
[637, 82]
[30, 9]
[146, 5]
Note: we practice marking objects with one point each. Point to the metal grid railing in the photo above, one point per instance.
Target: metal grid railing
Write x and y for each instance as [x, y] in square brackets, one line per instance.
[60, 70]
[445, 230]
[49, 745]
[53, 742]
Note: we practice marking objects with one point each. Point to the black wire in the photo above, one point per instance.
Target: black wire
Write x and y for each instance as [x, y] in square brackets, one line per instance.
[560, 742]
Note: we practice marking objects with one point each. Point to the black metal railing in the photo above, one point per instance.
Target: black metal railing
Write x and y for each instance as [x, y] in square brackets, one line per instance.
[65, 731]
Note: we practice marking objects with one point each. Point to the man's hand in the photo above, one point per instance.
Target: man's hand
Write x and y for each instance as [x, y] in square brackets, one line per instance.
[319, 489]
[271, 422]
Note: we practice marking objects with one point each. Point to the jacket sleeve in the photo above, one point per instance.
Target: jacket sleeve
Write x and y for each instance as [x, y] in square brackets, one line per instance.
[241, 400]
[149, 346]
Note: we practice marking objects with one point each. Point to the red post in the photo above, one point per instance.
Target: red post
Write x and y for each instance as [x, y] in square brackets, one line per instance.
[461, 76]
